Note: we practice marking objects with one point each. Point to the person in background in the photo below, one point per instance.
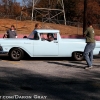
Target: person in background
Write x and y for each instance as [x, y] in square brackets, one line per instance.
[25, 36]
[11, 33]
[37, 26]
[35, 35]
[90, 45]
[5, 36]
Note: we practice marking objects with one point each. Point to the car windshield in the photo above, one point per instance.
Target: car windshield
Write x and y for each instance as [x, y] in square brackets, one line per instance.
[42, 36]
[31, 36]
[34, 35]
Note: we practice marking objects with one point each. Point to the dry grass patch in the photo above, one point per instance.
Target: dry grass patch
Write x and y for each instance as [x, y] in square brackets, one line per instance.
[26, 27]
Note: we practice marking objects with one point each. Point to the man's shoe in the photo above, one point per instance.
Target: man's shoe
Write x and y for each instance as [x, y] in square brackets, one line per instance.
[86, 68]
[89, 67]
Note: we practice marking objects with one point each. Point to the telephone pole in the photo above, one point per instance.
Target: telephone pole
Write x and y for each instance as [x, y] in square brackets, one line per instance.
[33, 10]
[85, 16]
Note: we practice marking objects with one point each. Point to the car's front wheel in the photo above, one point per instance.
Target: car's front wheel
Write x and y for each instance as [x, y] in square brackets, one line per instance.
[78, 56]
[16, 54]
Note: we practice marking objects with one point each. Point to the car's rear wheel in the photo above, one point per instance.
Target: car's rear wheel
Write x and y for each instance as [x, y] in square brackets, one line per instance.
[16, 54]
[78, 56]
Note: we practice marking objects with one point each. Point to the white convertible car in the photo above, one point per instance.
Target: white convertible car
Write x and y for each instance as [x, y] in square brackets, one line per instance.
[44, 43]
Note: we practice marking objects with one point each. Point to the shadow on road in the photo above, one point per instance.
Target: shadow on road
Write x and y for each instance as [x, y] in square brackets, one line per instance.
[70, 64]
[5, 57]
[26, 57]
[15, 81]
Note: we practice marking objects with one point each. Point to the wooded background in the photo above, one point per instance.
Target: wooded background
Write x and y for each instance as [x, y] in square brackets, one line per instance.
[74, 9]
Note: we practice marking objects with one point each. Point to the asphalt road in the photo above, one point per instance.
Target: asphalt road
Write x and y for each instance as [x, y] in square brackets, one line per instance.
[49, 79]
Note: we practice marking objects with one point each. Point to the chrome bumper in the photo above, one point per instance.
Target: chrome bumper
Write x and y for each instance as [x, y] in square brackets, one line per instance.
[2, 52]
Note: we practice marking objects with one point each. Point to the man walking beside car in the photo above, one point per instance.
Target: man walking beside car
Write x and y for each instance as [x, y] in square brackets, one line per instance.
[90, 45]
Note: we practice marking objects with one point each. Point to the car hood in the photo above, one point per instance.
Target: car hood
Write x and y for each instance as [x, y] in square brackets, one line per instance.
[14, 40]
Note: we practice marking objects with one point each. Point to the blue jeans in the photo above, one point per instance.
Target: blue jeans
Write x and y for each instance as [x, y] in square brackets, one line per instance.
[88, 53]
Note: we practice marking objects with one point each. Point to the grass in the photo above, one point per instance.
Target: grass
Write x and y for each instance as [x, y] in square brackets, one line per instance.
[26, 27]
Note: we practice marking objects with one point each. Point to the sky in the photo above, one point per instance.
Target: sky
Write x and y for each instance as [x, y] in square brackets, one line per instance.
[19, 0]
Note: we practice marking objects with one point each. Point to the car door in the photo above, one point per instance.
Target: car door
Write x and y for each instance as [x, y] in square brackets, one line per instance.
[46, 48]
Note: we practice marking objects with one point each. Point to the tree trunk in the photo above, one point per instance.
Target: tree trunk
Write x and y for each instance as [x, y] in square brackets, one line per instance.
[85, 16]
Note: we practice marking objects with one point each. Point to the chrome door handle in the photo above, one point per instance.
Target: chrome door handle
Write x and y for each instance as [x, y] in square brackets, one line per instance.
[56, 42]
